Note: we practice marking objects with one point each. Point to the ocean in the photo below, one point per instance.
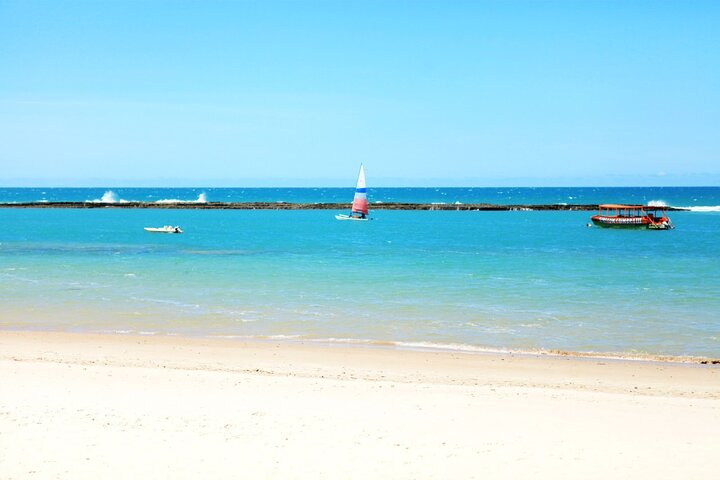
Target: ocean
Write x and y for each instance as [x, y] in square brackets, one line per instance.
[688, 197]
[471, 281]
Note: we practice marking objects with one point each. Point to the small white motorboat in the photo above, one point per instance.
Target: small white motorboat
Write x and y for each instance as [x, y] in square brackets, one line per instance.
[165, 229]
[341, 216]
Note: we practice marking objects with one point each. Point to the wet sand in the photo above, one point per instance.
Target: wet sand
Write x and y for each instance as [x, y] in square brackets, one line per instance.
[114, 406]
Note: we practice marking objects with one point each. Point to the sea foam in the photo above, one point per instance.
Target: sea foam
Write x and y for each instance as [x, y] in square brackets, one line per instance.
[696, 208]
[108, 197]
[703, 208]
[202, 198]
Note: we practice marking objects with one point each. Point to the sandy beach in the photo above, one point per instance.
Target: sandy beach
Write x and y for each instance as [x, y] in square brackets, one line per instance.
[87, 406]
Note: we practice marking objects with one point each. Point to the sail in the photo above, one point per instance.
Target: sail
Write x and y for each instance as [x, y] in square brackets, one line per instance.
[360, 204]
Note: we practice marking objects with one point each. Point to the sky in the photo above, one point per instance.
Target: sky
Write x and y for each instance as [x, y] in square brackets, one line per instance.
[221, 93]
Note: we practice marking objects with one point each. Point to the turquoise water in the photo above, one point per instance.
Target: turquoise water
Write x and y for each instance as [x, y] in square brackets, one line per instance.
[509, 280]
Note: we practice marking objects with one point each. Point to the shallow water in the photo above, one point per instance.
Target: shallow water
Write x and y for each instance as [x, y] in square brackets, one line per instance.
[517, 280]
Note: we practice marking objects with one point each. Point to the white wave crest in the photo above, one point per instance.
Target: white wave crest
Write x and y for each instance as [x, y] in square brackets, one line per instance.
[703, 208]
[455, 347]
[657, 203]
[202, 198]
[108, 197]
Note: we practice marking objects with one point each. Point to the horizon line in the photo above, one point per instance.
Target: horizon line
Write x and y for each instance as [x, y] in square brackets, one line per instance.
[200, 186]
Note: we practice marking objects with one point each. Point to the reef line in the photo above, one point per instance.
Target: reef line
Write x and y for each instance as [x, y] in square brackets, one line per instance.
[302, 206]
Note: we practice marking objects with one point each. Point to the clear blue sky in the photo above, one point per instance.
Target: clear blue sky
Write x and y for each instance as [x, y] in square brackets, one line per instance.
[299, 93]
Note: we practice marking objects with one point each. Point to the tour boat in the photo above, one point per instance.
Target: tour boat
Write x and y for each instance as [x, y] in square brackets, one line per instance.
[165, 229]
[359, 210]
[632, 216]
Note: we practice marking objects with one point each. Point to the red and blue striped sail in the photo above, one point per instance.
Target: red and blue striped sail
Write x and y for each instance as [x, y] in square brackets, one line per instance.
[360, 204]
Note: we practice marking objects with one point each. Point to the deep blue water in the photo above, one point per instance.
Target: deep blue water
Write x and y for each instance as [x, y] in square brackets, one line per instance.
[675, 196]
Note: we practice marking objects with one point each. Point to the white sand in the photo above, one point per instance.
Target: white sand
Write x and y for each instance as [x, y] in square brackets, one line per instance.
[93, 406]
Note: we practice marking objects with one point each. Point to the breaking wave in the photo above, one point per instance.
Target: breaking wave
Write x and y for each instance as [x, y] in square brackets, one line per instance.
[108, 197]
[697, 208]
[702, 208]
[202, 198]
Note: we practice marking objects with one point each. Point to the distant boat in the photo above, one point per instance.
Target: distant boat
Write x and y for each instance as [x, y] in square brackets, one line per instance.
[632, 216]
[165, 229]
[359, 210]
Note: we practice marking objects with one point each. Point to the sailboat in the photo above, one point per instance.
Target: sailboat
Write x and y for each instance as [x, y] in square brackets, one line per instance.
[359, 209]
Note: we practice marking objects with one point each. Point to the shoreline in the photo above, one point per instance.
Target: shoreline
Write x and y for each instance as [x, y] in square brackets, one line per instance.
[365, 350]
[342, 362]
[452, 348]
[84, 406]
[393, 345]
[311, 206]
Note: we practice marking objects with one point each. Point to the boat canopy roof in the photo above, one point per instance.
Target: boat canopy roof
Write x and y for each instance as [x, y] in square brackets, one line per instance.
[613, 206]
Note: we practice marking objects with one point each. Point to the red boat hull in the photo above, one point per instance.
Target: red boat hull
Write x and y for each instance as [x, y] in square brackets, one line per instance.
[631, 222]
[620, 222]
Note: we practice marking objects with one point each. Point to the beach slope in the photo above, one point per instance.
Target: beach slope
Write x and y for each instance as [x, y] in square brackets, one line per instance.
[86, 406]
